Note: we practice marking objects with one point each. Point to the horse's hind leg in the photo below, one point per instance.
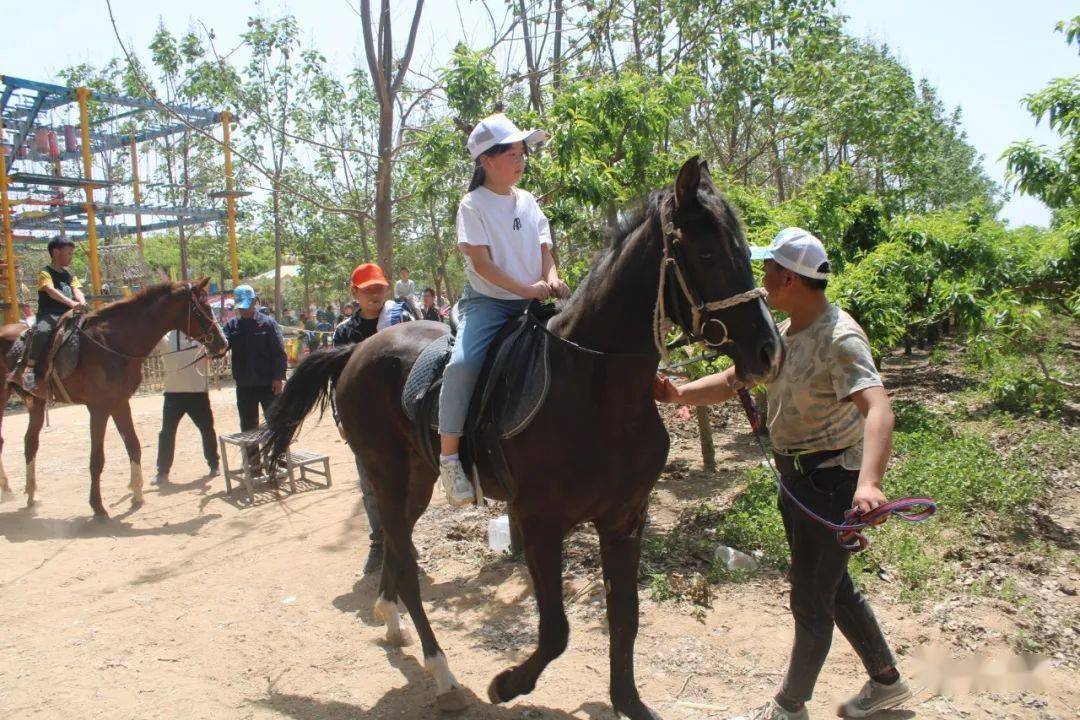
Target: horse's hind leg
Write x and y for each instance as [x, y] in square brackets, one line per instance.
[620, 551]
[122, 419]
[5, 394]
[36, 409]
[386, 608]
[400, 509]
[543, 553]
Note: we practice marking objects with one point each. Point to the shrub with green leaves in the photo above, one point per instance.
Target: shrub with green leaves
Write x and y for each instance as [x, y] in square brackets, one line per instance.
[1021, 391]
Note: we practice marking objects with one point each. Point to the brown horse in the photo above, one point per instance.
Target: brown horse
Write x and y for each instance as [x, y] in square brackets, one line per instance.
[115, 341]
[596, 447]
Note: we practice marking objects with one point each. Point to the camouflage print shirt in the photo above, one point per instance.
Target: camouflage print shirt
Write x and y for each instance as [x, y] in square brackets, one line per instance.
[809, 406]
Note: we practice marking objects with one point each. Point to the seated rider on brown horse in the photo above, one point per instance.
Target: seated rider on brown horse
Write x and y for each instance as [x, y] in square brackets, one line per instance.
[58, 292]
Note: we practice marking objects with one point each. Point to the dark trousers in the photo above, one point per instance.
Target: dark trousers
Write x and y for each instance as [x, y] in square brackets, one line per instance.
[371, 507]
[822, 593]
[195, 405]
[248, 401]
[44, 326]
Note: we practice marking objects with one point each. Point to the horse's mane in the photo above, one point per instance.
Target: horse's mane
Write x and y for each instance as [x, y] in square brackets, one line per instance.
[631, 218]
[145, 296]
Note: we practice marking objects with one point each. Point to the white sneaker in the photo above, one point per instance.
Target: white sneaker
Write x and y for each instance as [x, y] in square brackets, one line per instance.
[458, 487]
[875, 697]
[772, 711]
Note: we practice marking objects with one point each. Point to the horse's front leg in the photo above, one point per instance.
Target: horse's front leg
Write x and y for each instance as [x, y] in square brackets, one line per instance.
[36, 409]
[620, 551]
[99, 419]
[543, 553]
[121, 415]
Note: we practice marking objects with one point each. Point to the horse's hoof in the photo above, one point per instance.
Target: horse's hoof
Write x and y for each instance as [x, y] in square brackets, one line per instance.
[493, 692]
[29, 502]
[452, 701]
[399, 638]
[101, 516]
[137, 503]
[635, 710]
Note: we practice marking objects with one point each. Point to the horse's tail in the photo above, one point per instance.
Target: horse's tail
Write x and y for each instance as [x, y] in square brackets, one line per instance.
[309, 385]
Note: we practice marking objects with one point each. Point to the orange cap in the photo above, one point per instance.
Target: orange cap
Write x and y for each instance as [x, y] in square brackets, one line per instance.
[367, 275]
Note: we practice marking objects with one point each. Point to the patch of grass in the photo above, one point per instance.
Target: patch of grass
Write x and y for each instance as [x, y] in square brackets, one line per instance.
[753, 524]
[974, 485]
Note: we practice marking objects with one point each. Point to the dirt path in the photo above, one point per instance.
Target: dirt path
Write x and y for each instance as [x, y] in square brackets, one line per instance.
[193, 607]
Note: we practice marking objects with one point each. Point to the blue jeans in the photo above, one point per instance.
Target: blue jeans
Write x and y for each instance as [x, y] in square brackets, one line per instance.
[481, 319]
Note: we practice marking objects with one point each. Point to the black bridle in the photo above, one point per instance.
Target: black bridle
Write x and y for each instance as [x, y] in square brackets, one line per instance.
[673, 269]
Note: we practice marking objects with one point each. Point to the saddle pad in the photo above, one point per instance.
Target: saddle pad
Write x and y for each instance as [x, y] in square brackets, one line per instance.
[65, 355]
[425, 373]
[17, 348]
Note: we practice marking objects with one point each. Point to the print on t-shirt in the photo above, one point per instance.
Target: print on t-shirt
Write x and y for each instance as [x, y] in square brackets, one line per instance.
[517, 223]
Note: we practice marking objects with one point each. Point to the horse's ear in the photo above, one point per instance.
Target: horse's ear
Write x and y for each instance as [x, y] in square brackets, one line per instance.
[706, 177]
[203, 282]
[686, 184]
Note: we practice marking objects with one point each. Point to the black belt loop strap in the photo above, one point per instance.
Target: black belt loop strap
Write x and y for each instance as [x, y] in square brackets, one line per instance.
[804, 463]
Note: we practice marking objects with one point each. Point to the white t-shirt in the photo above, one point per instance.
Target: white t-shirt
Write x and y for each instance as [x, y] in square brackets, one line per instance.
[181, 374]
[513, 227]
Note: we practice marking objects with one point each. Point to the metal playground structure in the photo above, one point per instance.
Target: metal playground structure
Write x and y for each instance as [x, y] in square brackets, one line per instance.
[50, 137]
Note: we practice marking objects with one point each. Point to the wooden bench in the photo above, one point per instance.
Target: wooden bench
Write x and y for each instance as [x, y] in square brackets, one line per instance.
[302, 462]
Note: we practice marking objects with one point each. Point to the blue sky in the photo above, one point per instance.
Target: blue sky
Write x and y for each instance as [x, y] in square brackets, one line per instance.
[983, 55]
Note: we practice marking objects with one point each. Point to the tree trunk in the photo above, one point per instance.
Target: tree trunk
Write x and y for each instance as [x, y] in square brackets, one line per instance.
[365, 248]
[183, 252]
[276, 194]
[384, 224]
[557, 52]
[535, 99]
[708, 449]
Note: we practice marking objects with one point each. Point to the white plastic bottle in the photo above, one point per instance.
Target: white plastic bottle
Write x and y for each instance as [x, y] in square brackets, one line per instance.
[499, 534]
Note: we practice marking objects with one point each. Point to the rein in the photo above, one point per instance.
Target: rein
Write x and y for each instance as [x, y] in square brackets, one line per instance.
[203, 338]
[699, 309]
[848, 533]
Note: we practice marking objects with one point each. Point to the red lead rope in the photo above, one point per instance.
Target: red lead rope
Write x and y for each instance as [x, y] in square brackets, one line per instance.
[848, 533]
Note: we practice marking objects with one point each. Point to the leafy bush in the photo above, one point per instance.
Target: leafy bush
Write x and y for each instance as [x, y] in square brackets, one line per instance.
[1020, 391]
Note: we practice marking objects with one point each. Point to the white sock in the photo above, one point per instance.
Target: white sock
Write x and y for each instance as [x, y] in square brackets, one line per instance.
[445, 458]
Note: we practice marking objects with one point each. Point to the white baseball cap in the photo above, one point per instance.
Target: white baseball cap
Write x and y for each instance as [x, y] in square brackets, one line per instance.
[498, 130]
[798, 251]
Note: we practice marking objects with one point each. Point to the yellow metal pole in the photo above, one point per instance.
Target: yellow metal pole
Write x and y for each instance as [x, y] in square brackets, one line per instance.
[11, 296]
[83, 96]
[138, 192]
[230, 201]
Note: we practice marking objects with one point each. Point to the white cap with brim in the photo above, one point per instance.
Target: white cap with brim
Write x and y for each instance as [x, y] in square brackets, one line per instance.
[497, 129]
[796, 250]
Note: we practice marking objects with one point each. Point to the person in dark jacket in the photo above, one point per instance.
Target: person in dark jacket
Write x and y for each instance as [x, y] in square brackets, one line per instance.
[258, 359]
[429, 310]
[373, 313]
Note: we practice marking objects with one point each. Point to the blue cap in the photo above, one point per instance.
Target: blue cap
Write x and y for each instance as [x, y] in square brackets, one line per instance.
[243, 297]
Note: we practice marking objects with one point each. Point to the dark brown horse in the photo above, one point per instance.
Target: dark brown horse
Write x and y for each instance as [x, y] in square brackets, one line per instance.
[596, 447]
[115, 341]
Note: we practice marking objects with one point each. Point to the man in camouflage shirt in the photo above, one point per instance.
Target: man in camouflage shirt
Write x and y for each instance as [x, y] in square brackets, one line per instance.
[831, 426]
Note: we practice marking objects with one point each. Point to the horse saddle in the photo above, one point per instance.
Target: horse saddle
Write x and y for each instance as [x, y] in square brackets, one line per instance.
[63, 354]
[511, 389]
